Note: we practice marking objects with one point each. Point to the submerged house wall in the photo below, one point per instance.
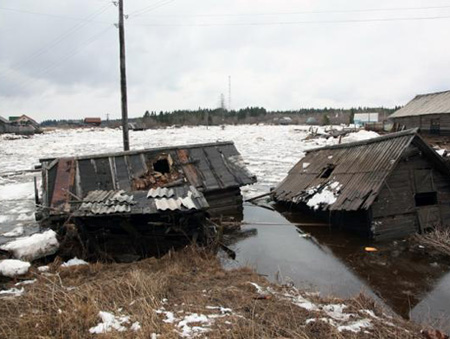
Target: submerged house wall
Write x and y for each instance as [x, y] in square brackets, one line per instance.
[416, 196]
[385, 187]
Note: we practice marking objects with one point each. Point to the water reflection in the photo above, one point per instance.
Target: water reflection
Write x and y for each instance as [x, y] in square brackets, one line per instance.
[335, 263]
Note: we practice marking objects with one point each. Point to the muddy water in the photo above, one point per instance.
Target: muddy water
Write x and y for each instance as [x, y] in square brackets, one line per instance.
[335, 263]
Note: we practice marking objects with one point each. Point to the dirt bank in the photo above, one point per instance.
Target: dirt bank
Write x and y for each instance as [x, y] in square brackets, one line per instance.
[183, 294]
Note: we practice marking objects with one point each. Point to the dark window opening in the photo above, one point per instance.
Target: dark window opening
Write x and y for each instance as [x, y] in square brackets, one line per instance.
[426, 199]
[327, 171]
[161, 166]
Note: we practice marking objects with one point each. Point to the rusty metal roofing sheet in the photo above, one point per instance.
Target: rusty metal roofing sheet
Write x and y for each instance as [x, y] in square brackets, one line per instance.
[358, 171]
[433, 103]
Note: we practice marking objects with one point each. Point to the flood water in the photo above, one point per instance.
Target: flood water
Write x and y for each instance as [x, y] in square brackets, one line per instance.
[335, 263]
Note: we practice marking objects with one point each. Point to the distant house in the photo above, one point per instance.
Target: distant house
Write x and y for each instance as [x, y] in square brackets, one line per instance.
[22, 125]
[311, 121]
[385, 187]
[93, 121]
[23, 120]
[285, 121]
[362, 119]
[428, 112]
[136, 126]
[4, 125]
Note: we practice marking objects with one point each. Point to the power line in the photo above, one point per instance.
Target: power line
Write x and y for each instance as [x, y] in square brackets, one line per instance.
[280, 23]
[69, 55]
[305, 12]
[150, 8]
[60, 38]
[52, 15]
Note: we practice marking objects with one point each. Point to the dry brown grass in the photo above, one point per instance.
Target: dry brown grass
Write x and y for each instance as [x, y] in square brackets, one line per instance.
[191, 280]
[438, 240]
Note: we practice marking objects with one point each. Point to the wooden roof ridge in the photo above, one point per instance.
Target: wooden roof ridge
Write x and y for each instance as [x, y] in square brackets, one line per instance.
[412, 132]
[144, 150]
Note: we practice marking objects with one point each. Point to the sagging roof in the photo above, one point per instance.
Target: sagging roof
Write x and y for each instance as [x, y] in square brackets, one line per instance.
[433, 103]
[205, 167]
[182, 198]
[348, 177]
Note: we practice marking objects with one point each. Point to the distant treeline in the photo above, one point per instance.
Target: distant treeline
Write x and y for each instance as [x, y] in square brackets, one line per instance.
[249, 115]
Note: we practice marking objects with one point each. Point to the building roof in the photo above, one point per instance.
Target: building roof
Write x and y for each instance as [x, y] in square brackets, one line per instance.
[366, 117]
[205, 167]
[3, 120]
[433, 103]
[93, 120]
[348, 177]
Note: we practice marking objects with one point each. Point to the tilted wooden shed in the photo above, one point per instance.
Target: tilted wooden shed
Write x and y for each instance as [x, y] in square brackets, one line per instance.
[159, 181]
[385, 187]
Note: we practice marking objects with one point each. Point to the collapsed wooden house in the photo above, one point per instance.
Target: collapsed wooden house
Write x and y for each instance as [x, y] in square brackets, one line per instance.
[385, 187]
[137, 191]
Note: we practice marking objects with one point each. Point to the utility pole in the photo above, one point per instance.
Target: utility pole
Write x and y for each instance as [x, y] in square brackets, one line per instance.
[123, 80]
[229, 92]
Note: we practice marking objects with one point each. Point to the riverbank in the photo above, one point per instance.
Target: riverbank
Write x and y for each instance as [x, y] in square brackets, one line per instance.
[186, 293]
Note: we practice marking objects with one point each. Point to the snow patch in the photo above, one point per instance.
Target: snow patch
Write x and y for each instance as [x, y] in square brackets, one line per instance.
[12, 267]
[356, 326]
[360, 136]
[33, 247]
[110, 322]
[13, 292]
[74, 262]
[43, 268]
[16, 232]
[26, 282]
[325, 197]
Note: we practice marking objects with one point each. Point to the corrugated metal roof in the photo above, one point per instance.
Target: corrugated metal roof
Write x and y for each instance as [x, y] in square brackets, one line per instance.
[106, 202]
[187, 199]
[160, 192]
[182, 198]
[433, 103]
[207, 167]
[356, 172]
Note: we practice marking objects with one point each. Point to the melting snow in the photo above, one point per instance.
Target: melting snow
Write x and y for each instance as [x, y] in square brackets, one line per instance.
[16, 232]
[74, 262]
[33, 247]
[43, 268]
[110, 322]
[356, 326]
[13, 267]
[26, 282]
[325, 197]
[13, 292]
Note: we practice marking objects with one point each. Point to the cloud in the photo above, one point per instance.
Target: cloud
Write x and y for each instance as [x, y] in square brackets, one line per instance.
[181, 54]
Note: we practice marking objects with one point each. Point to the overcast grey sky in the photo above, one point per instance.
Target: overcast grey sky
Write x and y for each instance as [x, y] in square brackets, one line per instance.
[59, 59]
